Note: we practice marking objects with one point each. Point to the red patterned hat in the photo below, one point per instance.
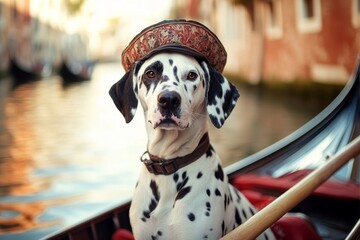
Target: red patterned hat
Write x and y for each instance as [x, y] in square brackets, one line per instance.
[182, 36]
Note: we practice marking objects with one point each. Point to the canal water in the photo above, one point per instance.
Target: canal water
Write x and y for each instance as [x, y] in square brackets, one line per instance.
[67, 154]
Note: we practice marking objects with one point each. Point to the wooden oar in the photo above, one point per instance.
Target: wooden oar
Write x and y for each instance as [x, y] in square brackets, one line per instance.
[355, 232]
[258, 223]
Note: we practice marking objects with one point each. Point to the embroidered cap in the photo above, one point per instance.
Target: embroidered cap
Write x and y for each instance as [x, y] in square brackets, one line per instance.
[182, 36]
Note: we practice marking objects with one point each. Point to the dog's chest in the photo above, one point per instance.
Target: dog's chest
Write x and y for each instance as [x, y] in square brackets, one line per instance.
[196, 202]
[173, 205]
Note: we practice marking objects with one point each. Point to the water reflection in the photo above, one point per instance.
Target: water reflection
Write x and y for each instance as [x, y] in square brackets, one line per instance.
[66, 152]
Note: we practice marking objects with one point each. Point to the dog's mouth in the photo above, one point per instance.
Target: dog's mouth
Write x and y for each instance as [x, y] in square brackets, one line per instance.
[169, 123]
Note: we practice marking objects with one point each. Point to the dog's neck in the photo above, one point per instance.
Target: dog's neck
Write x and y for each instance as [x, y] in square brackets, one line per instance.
[168, 144]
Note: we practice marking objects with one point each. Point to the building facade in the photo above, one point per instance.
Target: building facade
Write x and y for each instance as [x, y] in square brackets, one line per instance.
[284, 40]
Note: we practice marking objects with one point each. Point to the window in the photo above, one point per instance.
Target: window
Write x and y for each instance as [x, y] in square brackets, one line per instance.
[14, 13]
[273, 17]
[308, 16]
[308, 6]
[271, 14]
[231, 26]
[355, 18]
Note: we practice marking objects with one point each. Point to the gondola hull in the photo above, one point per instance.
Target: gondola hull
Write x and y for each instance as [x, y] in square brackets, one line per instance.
[36, 71]
[79, 71]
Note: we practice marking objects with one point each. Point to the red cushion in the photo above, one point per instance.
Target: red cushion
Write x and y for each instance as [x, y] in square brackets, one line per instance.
[122, 234]
[294, 227]
[257, 199]
[331, 188]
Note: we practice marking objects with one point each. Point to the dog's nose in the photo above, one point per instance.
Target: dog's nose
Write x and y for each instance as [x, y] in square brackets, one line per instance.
[169, 100]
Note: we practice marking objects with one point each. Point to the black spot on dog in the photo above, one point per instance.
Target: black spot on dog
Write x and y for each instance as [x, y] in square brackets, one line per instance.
[208, 209]
[199, 175]
[191, 217]
[176, 177]
[214, 119]
[251, 211]
[223, 228]
[231, 198]
[155, 190]
[175, 74]
[194, 87]
[156, 237]
[208, 206]
[164, 79]
[209, 152]
[175, 84]
[244, 213]
[238, 197]
[182, 193]
[153, 202]
[186, 90]
[217, 192]
[182, 183]
[219, 174]
[266, 236]
[218, 110]
[208, 192]
[237, 217]
[152, 206]
[171, 62]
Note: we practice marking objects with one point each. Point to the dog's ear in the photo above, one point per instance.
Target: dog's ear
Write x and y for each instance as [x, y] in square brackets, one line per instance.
[125, 94]
[221, 95]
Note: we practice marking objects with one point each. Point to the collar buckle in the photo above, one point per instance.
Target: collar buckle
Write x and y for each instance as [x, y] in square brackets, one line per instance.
[164, 167]
[147, 162]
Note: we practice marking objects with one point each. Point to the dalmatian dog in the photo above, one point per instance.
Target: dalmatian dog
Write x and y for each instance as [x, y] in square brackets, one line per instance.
[194, 201]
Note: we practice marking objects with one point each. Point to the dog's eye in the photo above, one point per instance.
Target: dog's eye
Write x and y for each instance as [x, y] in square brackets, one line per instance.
[191, 76]
[150, 74]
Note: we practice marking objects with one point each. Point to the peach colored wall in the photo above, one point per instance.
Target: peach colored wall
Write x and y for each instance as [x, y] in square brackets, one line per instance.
[295, 54]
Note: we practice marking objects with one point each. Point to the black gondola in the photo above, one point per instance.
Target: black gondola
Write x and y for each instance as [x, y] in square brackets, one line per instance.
[35, 71]
[77, 71]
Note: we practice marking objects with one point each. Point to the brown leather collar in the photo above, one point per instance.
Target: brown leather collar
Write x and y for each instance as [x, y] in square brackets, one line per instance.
[160, 166]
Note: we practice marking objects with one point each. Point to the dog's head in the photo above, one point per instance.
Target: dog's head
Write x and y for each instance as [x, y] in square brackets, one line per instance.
[174, 89]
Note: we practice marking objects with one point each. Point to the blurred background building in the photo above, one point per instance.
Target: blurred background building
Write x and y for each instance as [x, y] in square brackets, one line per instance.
[283, 40]
[265, 39]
